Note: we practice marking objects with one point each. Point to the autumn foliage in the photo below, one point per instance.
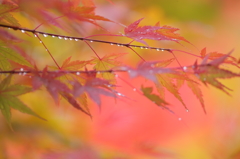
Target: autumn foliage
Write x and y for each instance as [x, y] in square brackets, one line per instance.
[92, 78]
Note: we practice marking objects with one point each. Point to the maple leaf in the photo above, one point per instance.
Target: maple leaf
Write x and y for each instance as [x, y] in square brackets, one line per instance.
[73, 65]
[156, 32]
[8, 55]
[147, 92]
[214, 55]
[8, 99]
[147, 70]
[74, 102]
[94, 88]
[209, 72]
[6, 17]
[107, 62]
[53, 86]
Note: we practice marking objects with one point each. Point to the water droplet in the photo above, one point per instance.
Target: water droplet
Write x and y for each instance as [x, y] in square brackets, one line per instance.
[65, 38]
[185, 68]
[24, 73]
[134, 89]
[91, 41]
[76, 39]
[111, 44]
[23, 31]
[59, 37]
[40, 41]
[118, 45]
[158, 49]
[141, 47]
[9, 28]
[70, 39]
[129, 71]
[46, 49]
[45, 35]
[53, 36]
[35, 35]
[120, 94]
[116, 75]
[179, 119]
[187, 110]
[98, 72]
[146, 48]
[77, 73]
[21, 69]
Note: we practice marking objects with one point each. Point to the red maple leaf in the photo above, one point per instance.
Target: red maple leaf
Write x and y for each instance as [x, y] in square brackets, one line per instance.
[53, 86]
[156, 32]
[208, 73]
[94, 87]
[214, 55]
[147, 70]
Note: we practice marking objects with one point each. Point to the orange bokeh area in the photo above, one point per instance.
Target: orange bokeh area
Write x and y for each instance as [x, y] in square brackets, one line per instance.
[133, 127]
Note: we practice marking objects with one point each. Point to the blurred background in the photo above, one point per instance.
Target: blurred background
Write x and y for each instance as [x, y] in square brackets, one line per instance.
[135, 128]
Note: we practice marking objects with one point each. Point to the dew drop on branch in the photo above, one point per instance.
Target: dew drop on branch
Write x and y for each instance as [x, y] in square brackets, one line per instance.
[184, 68]
[134, 89]
[76, 39]
[45, 35]
[77, 73]
[23, 31]
[59, 37]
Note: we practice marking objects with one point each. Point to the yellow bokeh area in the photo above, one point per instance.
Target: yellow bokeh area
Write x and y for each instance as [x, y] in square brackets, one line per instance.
[133, 128]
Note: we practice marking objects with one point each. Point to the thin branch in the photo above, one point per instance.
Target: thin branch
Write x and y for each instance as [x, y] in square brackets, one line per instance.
[45, 34]
[47, 50]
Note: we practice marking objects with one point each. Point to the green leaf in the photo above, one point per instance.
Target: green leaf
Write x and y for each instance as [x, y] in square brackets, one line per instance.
[16, 90]
[15, 103]
[9, 100]
[5, 16]
[6, 111]
[147, 92]
[5, 83]
[107, 62]
[11, 55]
[166, 81]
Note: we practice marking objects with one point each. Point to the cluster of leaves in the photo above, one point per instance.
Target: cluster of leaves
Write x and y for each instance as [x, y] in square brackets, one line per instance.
[74, 82]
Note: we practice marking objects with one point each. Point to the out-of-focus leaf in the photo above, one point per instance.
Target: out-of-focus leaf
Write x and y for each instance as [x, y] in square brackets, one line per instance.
[147, 92]
[9, 100]
[53, 86]
[106, 63]
[94, 88]
[11, 55]
[5, 13]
